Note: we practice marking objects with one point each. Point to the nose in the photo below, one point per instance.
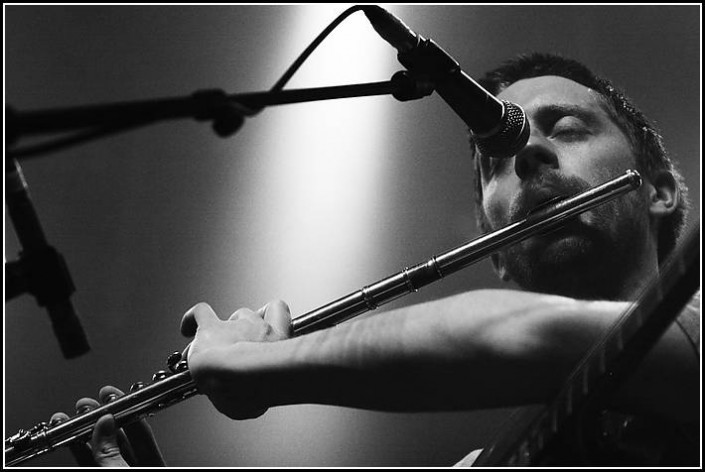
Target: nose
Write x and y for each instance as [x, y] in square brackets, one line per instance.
[537, 155]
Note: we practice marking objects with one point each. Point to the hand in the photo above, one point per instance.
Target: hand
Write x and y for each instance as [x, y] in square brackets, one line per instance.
[133, 445]
[221, 355]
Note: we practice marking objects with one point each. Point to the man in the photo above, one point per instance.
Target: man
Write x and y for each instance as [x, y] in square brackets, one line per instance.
[522, 345]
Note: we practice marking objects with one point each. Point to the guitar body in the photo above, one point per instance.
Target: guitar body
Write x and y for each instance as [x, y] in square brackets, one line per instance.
[576, 445]
[601, 439]
[574, 429]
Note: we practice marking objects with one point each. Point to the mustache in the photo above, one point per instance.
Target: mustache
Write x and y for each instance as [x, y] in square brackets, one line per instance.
[541, 189]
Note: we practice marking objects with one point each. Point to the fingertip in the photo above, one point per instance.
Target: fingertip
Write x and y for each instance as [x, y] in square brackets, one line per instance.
[185, 352]
[245, 313]
[86, 404]
[280, 305]
[109, 393]
[58, 417]
[278, 314]
[188, 326]
[198, 315]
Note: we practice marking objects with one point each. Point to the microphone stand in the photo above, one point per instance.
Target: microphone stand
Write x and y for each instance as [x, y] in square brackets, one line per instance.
[40, 269]
[227, 112]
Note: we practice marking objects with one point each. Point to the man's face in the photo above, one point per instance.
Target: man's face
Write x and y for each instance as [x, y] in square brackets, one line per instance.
[574, 145]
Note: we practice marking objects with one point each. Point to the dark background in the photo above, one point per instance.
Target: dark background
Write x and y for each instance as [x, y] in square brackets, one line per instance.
[306, 203]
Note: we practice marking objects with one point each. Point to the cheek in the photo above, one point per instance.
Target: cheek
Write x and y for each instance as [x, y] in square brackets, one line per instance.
[602, 160]
[495, 205]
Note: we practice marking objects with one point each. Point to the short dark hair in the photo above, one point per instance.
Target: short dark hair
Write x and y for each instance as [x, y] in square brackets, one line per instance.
[643, 136]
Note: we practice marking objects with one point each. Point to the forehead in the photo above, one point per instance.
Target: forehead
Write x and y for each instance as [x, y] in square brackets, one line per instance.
[536, 92]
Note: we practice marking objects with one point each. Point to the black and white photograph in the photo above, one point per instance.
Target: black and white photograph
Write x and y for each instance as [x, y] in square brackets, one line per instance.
[352, 236]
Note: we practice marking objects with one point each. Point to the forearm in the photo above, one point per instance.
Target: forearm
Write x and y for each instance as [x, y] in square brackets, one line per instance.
[482, 349]
[446, 355]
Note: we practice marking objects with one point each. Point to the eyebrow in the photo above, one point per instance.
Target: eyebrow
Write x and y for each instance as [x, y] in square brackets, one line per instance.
[546, 115]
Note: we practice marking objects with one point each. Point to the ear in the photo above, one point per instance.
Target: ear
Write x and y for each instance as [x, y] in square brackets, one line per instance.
[499, 267]
[663, 194]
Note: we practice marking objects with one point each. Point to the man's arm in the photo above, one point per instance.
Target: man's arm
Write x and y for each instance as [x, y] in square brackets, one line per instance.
[481, 349]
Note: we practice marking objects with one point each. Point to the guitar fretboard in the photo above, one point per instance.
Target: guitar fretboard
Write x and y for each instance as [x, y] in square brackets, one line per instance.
[609, 361]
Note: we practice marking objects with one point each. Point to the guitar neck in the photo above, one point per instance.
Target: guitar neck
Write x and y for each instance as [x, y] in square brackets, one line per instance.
[610, 360]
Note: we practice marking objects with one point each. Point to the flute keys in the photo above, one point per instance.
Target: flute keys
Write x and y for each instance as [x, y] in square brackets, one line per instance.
[136, 386]
[111, 398]
[173, 361]
[20, 440]
[23, 439]
[43, 426]
[177, 363]
[160, 375]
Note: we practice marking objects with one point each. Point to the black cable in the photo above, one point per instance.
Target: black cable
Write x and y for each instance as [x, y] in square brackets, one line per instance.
[316, 42]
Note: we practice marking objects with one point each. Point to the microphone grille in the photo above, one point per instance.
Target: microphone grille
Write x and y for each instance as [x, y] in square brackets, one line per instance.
[509, 137]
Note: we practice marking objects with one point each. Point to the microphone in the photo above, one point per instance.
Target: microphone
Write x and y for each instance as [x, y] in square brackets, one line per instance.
[499, 128]
[41, 270]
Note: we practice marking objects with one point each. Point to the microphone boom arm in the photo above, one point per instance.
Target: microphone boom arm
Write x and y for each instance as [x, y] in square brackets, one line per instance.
[226, 111]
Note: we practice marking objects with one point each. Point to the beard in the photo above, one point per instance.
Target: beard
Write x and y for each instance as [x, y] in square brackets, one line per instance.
[590, 257]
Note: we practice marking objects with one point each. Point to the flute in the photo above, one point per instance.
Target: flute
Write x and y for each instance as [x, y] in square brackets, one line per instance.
[176, 385]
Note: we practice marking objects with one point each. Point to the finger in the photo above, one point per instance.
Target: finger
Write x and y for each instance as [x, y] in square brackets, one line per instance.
[85, 405]
[144, 444]
[278, 315]
[80, 451]
[139, 439]
[243, 313]
[200, 315]
[184, 353]
[109, 394]
[58, 418]
[104, 443]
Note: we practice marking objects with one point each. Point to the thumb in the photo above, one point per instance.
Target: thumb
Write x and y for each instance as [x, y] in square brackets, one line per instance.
[104, 443]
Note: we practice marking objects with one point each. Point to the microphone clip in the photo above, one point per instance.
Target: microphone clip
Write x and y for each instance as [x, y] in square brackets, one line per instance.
[429, 58]
[411, 85]
[43, 273]
[227, 115]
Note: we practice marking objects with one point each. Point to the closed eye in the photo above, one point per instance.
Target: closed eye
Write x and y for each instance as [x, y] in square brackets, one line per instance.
[570, 128]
